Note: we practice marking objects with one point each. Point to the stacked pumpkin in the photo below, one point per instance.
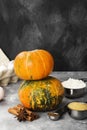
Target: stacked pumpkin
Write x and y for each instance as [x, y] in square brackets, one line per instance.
[38, 91]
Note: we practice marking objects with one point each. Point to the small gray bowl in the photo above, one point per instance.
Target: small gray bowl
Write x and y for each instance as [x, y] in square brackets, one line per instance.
[74, 93]
[77, 114]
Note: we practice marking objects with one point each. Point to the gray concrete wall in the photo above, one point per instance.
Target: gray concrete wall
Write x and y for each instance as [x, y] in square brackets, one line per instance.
[58, 26]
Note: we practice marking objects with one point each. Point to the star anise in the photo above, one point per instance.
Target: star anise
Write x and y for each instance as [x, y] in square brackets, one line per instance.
[22, 115]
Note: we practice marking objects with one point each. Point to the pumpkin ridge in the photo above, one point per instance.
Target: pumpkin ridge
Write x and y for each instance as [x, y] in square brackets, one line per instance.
[27, 63]
[56, 90]
[25, 83]
[42, 60]
[36, 71]
[29, 73]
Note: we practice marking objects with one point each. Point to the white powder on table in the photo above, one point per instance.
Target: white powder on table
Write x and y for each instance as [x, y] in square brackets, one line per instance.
[73, 83]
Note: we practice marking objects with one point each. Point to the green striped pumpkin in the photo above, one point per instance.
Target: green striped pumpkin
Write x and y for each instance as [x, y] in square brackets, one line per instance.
[41, 95]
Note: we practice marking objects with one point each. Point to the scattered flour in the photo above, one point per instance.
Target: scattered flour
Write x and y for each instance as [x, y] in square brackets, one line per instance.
[73, 83]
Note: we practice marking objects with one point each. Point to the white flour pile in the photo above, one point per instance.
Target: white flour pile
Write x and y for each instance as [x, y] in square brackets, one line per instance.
[73, 83]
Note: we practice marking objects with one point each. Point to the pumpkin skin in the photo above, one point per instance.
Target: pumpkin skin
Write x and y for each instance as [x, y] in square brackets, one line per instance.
[33, 65]
[41, 95]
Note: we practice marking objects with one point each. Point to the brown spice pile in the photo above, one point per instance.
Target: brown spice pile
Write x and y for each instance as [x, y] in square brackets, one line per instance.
[22, 113]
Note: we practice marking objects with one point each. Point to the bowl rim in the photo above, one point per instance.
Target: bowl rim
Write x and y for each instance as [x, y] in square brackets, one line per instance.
[75, 88]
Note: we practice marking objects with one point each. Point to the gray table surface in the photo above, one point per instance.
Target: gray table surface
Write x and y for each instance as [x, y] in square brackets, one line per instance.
[8, 122]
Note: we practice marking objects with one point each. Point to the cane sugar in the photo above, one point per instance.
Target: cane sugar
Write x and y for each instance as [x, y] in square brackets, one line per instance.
[80, 106]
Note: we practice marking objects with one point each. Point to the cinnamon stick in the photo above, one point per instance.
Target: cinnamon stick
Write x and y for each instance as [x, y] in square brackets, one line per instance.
[13, 111]
[23, 113]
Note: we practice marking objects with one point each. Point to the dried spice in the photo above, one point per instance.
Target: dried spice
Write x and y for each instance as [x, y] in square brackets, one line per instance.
[22, 113]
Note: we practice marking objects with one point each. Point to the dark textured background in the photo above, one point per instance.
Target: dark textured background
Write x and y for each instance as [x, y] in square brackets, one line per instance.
[59, 26]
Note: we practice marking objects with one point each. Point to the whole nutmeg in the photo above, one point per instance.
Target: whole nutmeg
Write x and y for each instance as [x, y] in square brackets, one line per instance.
[1, 93]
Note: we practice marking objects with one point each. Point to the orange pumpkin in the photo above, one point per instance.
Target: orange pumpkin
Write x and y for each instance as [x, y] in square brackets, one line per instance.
[41, 95]
[33, 65]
